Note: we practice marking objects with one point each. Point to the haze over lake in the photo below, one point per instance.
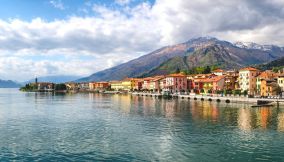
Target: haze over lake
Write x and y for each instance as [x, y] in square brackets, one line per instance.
[99, 127]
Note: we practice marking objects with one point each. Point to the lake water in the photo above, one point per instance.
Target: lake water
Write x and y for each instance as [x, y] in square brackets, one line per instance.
[96, 127]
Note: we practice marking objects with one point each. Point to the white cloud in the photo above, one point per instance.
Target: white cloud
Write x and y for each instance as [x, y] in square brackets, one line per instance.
[83, 45]
[57, 4]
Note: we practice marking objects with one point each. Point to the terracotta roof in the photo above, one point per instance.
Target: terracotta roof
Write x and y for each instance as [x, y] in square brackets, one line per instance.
[249, 69]
[148, 78]
[126, 79]
[213, 79]
[176, 75]
[101, 83]
[267, 74]
[115, 81]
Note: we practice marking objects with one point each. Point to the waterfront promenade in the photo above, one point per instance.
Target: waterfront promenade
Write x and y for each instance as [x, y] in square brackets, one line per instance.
[216, 98]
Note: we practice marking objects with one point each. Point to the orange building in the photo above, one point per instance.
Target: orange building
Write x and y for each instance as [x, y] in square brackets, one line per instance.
[102, 85]
[268, 88]
[99, 85]
[266, 75]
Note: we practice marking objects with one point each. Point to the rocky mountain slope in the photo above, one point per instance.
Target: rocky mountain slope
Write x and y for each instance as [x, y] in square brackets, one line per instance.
[201, 51]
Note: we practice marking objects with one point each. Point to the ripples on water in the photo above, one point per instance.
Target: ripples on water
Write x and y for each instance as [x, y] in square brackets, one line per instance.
[95, 127]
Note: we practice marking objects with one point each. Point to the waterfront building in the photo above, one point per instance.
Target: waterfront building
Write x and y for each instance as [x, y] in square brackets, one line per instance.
[213, 84]
[146, 85]
[247, 79]
[231, 82]
[130, 84]
[219, 72]
[92, 86]
[269, 87]
[267, 75]
[190, 82]
[197, 85]
[155, 85]
[137, 84]
[84, 85]
[280, 81]
[176, 83]
[101, 86]
[162, 84]
[116, 85]
[72, 86]
[127, 84]
[45, 86]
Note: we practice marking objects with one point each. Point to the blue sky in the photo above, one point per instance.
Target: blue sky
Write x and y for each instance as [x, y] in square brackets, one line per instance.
[72, 37]
[56, 9]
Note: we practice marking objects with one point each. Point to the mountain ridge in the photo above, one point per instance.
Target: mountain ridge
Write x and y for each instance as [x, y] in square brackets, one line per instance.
[197, 51]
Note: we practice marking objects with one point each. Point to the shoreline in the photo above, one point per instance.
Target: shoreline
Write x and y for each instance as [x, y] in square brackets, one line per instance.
[223, 99]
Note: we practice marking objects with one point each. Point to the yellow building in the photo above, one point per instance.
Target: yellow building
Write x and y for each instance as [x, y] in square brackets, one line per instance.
[280, 81]
[92, 85]
[128, 84]
[116, 85]
[247, 79]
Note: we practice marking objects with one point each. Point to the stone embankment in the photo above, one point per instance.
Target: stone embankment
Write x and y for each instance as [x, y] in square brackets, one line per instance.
[226, 99]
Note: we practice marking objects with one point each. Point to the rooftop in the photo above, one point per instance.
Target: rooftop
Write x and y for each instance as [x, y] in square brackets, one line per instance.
[249, 69]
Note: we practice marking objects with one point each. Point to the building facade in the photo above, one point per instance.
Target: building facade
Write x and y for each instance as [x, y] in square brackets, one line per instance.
[247, 79]
[176, 83]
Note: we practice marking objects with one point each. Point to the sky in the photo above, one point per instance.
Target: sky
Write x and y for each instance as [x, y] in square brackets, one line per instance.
[73, 37]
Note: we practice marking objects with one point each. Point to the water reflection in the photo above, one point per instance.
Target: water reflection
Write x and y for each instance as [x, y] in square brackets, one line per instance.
[244, 119]
[101, 127]
[280, 124]
[239, 115]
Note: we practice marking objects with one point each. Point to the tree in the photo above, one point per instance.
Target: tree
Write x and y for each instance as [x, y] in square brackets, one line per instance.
[207, 70]
[245, 92]
[177, 70]
[60, 87]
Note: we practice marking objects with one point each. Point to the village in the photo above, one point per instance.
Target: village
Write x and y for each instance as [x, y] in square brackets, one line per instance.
[248, 81]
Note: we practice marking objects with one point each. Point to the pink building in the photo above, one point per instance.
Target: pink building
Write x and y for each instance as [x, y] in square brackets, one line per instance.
[176, 83]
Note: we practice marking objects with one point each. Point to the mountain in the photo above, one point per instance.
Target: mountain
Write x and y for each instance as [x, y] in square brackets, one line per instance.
[9, 84]
[201, 51]
[55, 79]
[251, 45]
[279, 63]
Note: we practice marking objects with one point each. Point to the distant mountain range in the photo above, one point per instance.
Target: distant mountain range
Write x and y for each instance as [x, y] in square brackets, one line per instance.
[54, 79]
[279, 63]
[203, 51]
[9, 84]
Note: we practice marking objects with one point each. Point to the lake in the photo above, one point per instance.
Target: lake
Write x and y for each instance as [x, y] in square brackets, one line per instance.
[98, 127]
